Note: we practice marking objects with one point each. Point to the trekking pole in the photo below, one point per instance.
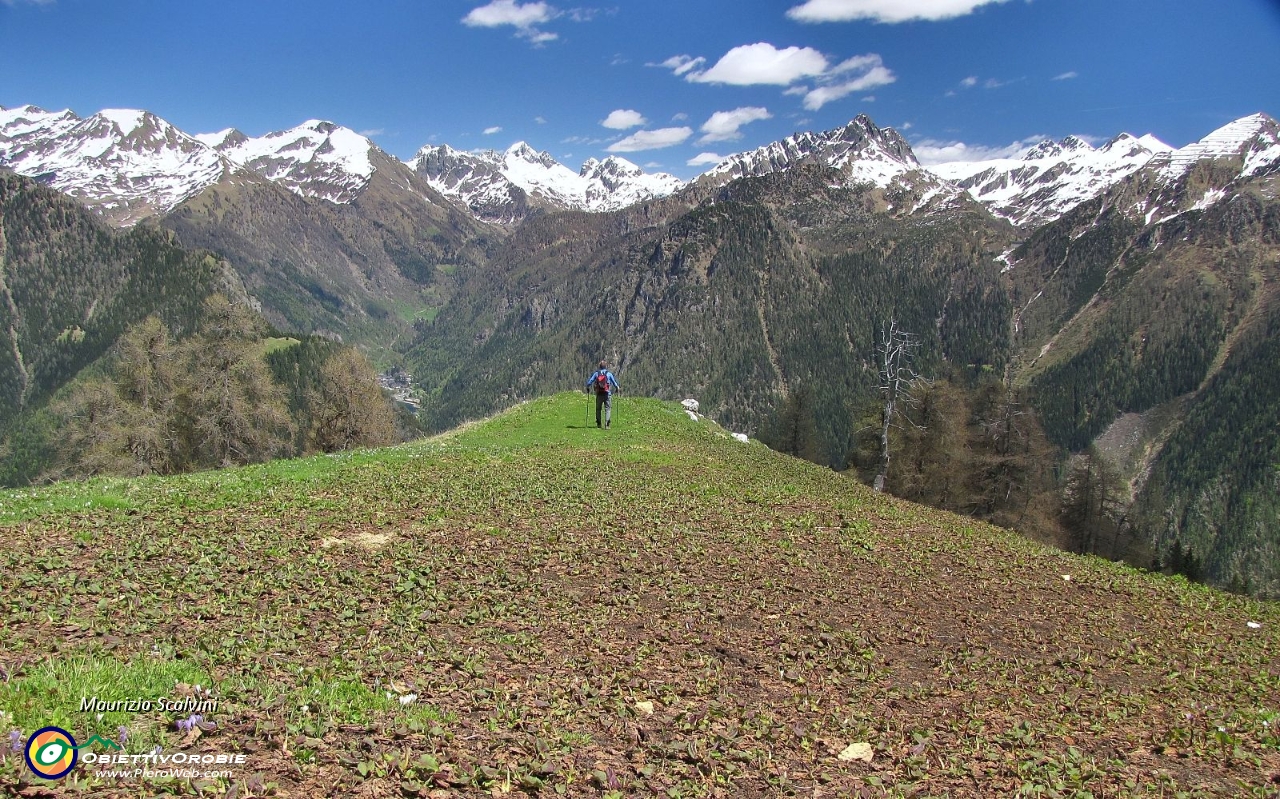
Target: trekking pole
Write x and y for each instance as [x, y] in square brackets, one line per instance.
[588, 409]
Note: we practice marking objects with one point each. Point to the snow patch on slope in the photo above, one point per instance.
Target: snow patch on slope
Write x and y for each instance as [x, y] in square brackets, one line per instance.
[1255, 139]
[316, 159]
[126, 120]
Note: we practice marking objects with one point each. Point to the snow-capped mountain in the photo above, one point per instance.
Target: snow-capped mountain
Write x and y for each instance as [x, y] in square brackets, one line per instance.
[316, 159]
[1199, 175]
[502, 186]
[1052, 177]
[130, 164]
[1255, 140]
[474, 179]
[616, 183]
[126, 164]
[864, 152]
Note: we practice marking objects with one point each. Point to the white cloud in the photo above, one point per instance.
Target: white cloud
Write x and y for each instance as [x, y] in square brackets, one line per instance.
[680, 117]
[870, 70]
[680, 64]
[723, 125]
[704, 159]
[492, 130]
[762, 63]
[622, 119]
[883, 10]
[651, 140]
[523, 18]
[508, 12]
[1067, 76]
[989, 83]
[540, 120]
[371, 132]
[933, 151]
[859, 63]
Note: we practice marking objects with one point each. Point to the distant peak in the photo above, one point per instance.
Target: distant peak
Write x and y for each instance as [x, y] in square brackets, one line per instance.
[1260, 119]
[613, 165]
[437, 150]
[1056, 149]
[860, 127]
[1128, 143]
[31, 113]
[522, 151]
[320, 126]
[229, 137]
[127, 120]
[1154, 144]
[1243, 128]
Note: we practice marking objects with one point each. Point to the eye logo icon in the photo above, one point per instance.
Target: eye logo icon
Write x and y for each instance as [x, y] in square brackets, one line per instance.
[51, 752]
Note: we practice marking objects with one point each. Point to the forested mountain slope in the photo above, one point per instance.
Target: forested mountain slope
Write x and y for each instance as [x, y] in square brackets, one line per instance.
[766, 286]
[1162, 329]
[69, 286]
[363, 270]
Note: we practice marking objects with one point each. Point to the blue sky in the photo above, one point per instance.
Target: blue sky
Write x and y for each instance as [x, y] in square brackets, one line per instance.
[657, 82]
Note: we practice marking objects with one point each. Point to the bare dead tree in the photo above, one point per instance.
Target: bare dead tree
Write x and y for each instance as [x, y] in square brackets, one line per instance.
[894, 354]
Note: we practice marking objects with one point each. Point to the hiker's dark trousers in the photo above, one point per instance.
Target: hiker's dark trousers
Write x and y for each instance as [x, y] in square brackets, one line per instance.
[604, 399]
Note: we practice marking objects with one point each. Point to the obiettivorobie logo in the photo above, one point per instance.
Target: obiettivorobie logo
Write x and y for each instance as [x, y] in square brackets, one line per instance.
[52, 751]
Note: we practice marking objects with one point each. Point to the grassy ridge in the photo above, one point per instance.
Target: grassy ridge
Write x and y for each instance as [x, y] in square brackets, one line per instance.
[651, 610]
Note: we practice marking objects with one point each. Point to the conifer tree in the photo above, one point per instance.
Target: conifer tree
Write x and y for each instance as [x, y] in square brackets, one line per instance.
[236, 411]
[349, 408]
[1094, 499]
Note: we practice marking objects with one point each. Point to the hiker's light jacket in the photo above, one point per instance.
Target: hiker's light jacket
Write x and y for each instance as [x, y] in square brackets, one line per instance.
[613, 381]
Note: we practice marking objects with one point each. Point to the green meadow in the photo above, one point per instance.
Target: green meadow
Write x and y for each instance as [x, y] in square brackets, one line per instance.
[532, 605]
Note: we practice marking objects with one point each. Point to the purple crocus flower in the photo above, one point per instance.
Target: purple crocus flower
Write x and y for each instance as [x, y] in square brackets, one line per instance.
[123, 732]
[15, 740]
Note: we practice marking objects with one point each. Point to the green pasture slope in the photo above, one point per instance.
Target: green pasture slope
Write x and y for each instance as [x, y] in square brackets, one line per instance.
[533, 605]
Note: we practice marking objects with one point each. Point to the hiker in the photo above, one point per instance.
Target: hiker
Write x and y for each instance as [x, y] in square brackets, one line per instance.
[603, 383]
